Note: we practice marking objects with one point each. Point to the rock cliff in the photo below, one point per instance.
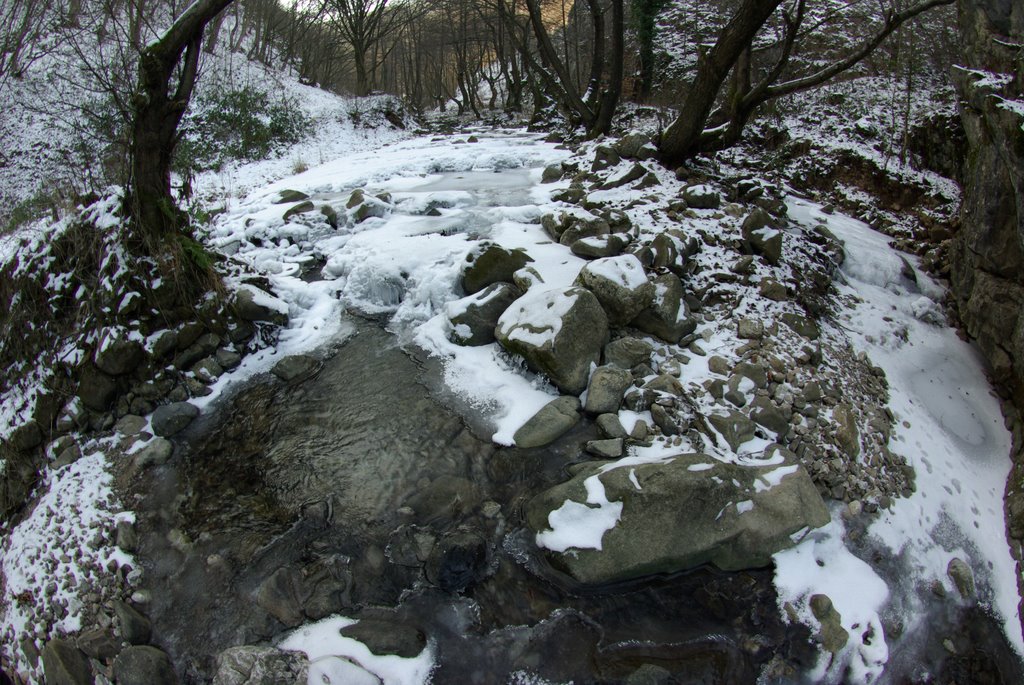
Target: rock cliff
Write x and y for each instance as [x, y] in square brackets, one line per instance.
[988, 262]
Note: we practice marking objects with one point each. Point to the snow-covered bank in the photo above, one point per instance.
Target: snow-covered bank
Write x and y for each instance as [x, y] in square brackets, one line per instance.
[949, 428]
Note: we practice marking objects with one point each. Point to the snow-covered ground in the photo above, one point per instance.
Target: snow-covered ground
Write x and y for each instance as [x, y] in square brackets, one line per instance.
[948, 426]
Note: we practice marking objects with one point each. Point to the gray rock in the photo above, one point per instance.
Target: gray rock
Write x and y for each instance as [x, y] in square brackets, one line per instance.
[163, 343]
[629, 145]
[680, 518]
[173, 418]
[280, 596]
[962, 576]
[734, 427]
[606, 388]
[605, 157]
[735, 397]
[296, 367]
[766, 414]
[158, 451]
[144, 665]
[330, 215]
[750, 329]
[635, 173]
[384, 637]
[761, 237]
[610, 448]
[208, 370]
[227, 359]
[289, 196]
[203, 346]
[620, 285]
[755, 373]
[665, 383]
[701, 197]
[596, 247]
[663, 420]
[99, 644]
[494, 264]
[136, 629]
[252, 665]
[477, 315]
[551, 173]
[846, 432]
[610, 426]
[300, 208]
[581, 228]
[116, 355]
[773, 290]
[802, 325]
[65, 664]
[558, 332]
[96, 389]
[252, 304]
[832, 635]
[458, 561]
[555, 419]
[26, 437]
[668, 317]
[126, 538]
[719, 365]
[628, 352]
[527, 278]
[649, 674]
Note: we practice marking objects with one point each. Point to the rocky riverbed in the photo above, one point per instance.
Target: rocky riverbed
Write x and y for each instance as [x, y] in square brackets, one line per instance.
[532, 414]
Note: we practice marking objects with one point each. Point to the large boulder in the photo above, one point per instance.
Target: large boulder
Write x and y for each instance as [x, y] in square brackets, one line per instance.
[605, 526]
[65, 664]
[668, 317]
[143, 665]
[473, 318]
[494, 264]
[558, 332]
[701, 197]
[621, 286]
[253, 304]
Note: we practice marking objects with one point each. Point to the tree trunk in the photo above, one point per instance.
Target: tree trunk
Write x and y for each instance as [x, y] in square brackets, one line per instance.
[679, 140]
[157, 113]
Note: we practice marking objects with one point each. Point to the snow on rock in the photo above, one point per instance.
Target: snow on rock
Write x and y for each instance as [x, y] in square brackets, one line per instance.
[339, 660]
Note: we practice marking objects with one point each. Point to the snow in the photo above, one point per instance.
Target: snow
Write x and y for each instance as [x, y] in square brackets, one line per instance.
[57, 550]
[950, 430]
[332, 656]
[821, 564]
[578, 526]
[536, 317]
[625, 270]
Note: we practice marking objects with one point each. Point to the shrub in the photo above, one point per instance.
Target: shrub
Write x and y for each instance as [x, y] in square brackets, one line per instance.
[244, 124]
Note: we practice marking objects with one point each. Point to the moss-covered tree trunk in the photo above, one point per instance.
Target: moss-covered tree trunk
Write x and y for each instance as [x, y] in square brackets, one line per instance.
[165, 85]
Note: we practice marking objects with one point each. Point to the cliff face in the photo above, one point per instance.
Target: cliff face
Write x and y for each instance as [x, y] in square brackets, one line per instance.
[988, 261]
[988, 265]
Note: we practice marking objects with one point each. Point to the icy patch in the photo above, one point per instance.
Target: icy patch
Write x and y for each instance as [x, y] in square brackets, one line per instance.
[331, 656]
[821, 564]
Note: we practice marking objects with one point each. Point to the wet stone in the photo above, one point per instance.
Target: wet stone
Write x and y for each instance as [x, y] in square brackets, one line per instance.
[384, 637]
[173, 418]
[610, 448]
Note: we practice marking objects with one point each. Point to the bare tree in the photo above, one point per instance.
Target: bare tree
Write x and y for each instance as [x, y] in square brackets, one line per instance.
[689, 134]
[365, 24]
